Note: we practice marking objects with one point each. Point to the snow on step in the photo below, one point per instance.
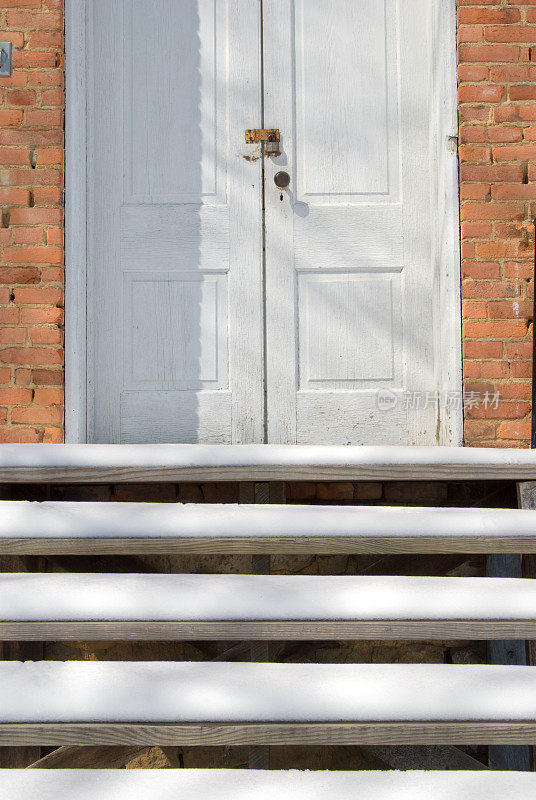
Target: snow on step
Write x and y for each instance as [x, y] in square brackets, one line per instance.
[74, 520]
[102, 462]
[103, 597]
[223, 784]
[170, 692]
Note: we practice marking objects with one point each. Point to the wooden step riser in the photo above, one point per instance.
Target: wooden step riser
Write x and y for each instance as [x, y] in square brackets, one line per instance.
[270, 546]
[93, 463]
[234, 734]
[276, 631]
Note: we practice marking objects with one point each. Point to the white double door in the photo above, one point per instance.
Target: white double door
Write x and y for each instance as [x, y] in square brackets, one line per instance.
[221, 308]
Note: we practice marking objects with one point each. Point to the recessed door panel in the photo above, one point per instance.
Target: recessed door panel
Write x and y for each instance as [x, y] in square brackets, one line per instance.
[351, 283]
[175, 222]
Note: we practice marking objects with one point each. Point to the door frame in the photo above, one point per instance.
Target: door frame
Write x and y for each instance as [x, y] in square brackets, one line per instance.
[445, 237]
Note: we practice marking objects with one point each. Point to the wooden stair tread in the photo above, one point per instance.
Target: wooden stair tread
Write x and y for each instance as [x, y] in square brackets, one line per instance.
[94, 463]
[27, 597]
[222, 784]
[242, 692]
[73, 527]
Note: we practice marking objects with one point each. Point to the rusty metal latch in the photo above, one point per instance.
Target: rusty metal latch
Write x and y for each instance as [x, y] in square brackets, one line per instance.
[254, 135]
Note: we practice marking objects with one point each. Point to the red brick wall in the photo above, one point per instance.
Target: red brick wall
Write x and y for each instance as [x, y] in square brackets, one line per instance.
[497, 94]
[31, 235]
[497, 74]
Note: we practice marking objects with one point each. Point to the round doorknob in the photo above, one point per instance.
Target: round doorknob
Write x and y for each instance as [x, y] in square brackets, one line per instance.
[281, 180]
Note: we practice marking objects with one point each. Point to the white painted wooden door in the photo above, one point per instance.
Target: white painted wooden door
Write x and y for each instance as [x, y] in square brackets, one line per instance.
[175, 251]
[197, 333]
[352, 289]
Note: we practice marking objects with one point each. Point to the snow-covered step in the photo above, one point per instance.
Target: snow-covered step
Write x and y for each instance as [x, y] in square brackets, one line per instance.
[92, 606]
[223, 784]
[71, 527]
[94, 463]
[212, 703]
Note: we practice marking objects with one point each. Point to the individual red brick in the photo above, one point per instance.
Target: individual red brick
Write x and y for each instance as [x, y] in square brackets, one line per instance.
[33, 20]
[481, 94]
[517, 269]
[470, 33]
[502, 133]
[504, 410]
[504, 309]
[521, 369]
[37, 295]
[514, 430]
[41, 316]
[474, 309]
[52, 436]
[33, 255]
[17, 435]
[48, 397]
[475, 191]
[49, 335]
[480, 269]
[35, 216]
[506, 329]
[513, 73]
[37, 415]
[472, 73]
[28, 235]
[514, 33]
[481, 350]
[47, 377]
[488, 53]
[9, 316]
[483, 211]
[487, 370]
[517, 351]
[496, 173]
[473, 113]
[10, 116]
[13, 275]
[488, 16]
[480, 430]
[515, 152]
[31, 355]
[476, 229]
[509, 230]
[514, 191]
[43, 117]
[12, 335]
[15, 397]
[515, 391]
[522, 91]
[23, 377]
[21, 97]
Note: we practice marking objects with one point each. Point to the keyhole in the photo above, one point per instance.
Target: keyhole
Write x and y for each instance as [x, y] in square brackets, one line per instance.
[281, 196]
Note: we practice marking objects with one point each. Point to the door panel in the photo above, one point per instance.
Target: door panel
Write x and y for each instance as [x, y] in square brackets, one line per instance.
[175, 225]
[350, 284]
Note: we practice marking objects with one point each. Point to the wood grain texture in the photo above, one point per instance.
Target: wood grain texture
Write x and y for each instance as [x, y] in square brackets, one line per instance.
[19, 649]
[88, 757]
[288, 545]
[274, 631]
[526, 493]
[93, 463]
[211, 734]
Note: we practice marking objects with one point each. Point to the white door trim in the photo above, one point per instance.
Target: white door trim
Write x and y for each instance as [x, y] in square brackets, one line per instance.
[75, 222]
[446, 233]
